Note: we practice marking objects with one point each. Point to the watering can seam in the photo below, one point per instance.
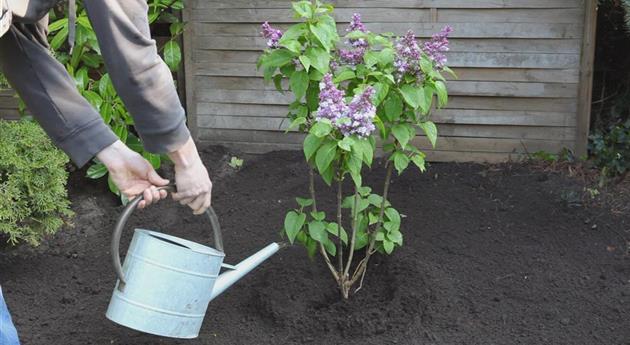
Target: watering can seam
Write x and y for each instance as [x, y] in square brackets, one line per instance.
[164, 311]
[155, 263]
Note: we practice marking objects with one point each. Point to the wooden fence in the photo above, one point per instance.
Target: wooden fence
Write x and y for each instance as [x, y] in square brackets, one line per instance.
[524, 70]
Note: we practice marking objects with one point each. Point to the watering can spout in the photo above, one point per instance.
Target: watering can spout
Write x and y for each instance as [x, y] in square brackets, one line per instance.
[226, 279]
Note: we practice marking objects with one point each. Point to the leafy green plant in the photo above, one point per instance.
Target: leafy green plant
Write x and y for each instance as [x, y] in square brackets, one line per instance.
[86, 65]
[235, 163]
[33, 197]
[348, 94]
[611, 151]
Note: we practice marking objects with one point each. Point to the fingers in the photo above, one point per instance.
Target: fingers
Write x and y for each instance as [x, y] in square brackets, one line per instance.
[156, 179]
[198, 202]
[150, 196]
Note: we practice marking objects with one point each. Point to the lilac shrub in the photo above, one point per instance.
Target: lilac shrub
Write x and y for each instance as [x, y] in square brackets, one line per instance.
[349, 92]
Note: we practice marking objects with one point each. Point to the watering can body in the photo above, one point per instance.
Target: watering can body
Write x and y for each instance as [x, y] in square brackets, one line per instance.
[166, 282]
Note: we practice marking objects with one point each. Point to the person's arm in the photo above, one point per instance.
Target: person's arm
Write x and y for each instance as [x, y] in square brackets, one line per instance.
[146, 86]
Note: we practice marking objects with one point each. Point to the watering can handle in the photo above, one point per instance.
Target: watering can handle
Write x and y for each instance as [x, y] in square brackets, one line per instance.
[122, 220]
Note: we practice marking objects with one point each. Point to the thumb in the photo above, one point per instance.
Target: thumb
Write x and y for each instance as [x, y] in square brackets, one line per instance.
[156, 179]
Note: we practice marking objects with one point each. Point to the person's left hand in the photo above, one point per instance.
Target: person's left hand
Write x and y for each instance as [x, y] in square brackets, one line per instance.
[132, 174]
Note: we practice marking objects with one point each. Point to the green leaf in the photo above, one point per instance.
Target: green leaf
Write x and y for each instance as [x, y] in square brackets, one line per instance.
[346, 74]
[277, 82]
[94, 98]
[401, 133]
[96, 171]
[318, 215]
[319, 59]
[427, 100]
[279, 57]
[311, 247]
[418, 160]
[293, 46]
[381, 91]
[317, 231]
[293, 223]
[293, 32]
[370, 58]
[412, 95]
[298, 121]
[312, 96]
[311, 144]
[388, 246]
[172, 55]
[176, 28]
[325, 31]
[391, 226]
[304, 202]
[396, 237]
[330, 247]
[365, 147]
[401, 161]
[442, 93]
[299, 83]
[392, 215]
[430, 130]
[306, 62]
[380, 236]
[346, 144]
[333, 229]
[105, 86]
[385, 56]
[325, 156]
[393, 106]
[361, 240]
[375, 200]
[364, 191]
[328, 175]
[321, 129]
[57, 25]
[303, 9]
[59, 38]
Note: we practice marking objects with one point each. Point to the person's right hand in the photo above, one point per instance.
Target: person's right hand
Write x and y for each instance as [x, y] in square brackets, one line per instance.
[132, 174]
[194, 187]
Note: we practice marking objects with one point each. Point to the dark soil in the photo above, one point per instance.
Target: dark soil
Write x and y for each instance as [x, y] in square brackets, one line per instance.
[492, 255]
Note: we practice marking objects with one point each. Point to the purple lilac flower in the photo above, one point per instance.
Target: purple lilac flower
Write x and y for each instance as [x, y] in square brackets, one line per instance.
[352, 56]
[331, 104]
[361, 113]
[436, 47]
[356, 24]
[407, 58]
[355, 56]
[355, 118]
[271, 35]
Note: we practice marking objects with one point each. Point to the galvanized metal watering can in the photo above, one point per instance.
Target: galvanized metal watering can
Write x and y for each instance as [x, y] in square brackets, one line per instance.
[166, 282]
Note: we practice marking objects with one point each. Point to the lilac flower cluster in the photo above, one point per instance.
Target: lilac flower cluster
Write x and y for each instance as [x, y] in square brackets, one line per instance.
[407, 58]
[271, 35]
[331, 104]
[436, 47]
[355, 118]
[361, 113]
[355, 56]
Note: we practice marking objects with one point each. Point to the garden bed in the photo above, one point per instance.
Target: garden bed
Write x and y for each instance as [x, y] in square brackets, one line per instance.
[492, 255]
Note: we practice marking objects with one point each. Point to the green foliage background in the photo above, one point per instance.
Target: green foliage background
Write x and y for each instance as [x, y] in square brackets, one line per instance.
[33, 196]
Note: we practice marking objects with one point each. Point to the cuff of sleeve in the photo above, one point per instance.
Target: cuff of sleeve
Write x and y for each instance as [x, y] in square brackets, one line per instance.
[84, 143]
[166, 142]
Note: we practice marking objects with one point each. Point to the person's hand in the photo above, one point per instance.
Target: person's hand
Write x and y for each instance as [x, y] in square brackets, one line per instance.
[132, 174]
[194, 187]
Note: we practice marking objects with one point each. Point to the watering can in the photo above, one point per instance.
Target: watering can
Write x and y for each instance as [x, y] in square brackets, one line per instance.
[166, 283]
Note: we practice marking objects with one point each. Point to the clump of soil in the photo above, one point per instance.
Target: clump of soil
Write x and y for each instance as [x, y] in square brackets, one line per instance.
[491, 256]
